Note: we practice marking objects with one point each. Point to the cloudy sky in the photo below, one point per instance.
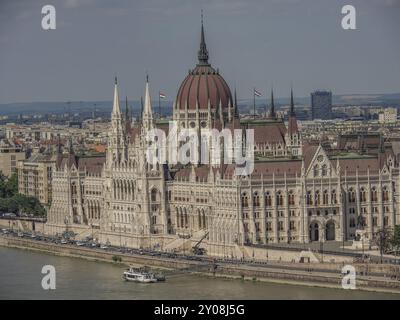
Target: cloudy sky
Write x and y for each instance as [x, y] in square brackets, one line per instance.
[253, 42]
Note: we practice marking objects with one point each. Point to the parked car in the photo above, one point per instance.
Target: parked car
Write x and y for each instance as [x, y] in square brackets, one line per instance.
[9, 215]
[80, 243]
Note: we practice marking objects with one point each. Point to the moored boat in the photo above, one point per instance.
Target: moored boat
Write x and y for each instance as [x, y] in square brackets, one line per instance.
[139, 275]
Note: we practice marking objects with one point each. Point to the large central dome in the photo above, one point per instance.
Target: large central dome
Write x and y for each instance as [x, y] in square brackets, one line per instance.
[203, 85]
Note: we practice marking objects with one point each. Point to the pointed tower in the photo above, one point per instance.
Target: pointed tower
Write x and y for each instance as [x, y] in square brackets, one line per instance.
[203, 52]
[293, 138]
[128, 118]
[116, 141]
[147, 115]
[272, 114]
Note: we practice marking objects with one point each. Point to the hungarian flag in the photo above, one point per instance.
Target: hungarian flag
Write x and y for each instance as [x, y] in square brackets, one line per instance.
[162, 95]
[256, 93]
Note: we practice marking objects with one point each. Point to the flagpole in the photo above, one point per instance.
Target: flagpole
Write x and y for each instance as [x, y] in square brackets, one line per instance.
[254, 102]
[159, 104]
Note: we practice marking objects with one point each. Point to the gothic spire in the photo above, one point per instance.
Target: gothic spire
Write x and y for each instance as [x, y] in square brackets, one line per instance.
[203, 53]
[147, 116]
[272, 114]
[236, 112]
[291, 103]
[126, 108]
[59, 150]
[116, 109]
[127, 117]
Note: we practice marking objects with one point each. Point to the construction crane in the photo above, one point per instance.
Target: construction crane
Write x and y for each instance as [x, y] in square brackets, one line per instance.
[196, 248]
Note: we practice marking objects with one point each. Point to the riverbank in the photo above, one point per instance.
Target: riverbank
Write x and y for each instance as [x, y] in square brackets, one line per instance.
[327, 276]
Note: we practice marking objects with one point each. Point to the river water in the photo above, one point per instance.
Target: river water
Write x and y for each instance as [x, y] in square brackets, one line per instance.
[20, 278]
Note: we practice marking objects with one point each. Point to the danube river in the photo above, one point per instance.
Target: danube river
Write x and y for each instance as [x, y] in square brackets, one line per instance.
[20, 278]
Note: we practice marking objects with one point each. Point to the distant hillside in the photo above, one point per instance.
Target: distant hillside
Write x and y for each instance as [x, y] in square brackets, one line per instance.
[166, 106]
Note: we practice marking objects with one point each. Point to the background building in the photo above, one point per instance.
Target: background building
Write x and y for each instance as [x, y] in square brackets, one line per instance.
[321, 105]
[35, 177]
[10, 154]
[388, 115]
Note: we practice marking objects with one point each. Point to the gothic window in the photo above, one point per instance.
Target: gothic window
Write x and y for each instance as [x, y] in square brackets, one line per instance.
[317, 198]
[291, 198]
[374, 194]
[352, 195]
[352, 222]
[325, 197]
[279, 198]
[245, 201]
[268, 200]
[363, 195]
[333, 197]
[154, 194]
[385, 194]
[309, 198]
[316, 170]
[324, 170]
[385, 221]
[256, 199]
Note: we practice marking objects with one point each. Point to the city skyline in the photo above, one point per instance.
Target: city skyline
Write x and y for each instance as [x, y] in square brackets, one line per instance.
[254, 44]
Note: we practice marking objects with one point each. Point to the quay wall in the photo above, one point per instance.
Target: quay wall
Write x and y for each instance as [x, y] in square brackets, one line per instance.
[331, 278]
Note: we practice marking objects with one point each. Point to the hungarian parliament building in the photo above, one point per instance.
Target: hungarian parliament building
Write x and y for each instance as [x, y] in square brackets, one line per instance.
[298, 192]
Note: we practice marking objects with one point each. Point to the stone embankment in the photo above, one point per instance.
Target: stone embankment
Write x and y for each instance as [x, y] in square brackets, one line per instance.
[369, 277]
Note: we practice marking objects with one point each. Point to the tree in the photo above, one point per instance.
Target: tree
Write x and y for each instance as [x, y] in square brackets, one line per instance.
[396, 238]
[12, 201]
[383, 240]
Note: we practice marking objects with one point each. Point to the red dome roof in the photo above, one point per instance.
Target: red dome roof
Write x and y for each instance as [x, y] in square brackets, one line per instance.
[201, 85]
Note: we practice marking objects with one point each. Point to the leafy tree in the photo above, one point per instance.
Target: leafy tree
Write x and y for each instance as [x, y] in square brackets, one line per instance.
[396, 238]
[12, 201]
[383, 240]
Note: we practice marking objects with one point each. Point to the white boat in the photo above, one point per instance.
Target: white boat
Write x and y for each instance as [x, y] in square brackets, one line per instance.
[139, 275]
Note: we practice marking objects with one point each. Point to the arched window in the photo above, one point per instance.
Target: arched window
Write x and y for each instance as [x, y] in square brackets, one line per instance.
[154, 194]
[385, 194]
[316, 170]
[245, 201]
[324, 170]
[309, 198]
[268, 200]
[317, 197]
[325, 197]
[333, 197]
[374, 194]
[363, 195]
[279, 199]
[352, 195]
[256, 199]
[291, 198]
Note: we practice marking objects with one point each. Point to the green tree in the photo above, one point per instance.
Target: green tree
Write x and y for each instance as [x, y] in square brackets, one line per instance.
[396, 239]
[12, 201]
[12, 185]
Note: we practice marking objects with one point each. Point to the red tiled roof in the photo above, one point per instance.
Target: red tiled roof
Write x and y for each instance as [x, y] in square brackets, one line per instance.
[203, 84]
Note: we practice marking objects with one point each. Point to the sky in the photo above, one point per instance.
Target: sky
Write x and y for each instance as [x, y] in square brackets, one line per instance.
[254, 43]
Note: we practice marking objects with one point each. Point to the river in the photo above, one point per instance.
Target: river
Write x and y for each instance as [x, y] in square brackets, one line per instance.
[20, 278]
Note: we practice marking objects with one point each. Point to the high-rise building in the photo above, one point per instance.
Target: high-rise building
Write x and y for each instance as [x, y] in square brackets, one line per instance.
[10, 154]
[34, 176]
[321, 105]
